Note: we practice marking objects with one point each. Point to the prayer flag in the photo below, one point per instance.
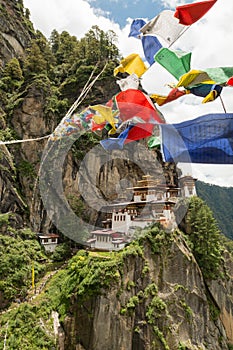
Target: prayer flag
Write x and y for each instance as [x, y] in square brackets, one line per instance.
[150, 45]
[209, 91]
[134, 103]
[176, 62]
[131, 82]
[153, 142]
[105, 114]
[206, 139]
[230, 82]
[131, 64]
[115, 143]
[173, 95]
[164, 25]
[218, 75]
[130, 134]
[135, 27]
[139, 131]
[194, 77]
[191, 13]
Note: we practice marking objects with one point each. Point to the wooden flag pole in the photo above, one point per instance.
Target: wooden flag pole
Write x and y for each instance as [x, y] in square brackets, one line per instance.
[223, 106]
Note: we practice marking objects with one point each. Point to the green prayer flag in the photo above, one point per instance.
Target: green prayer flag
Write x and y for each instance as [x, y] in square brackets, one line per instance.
[176, 62]
[220, 74]
[154, 141]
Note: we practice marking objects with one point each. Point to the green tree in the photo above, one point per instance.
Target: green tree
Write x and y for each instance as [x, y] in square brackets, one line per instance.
[54, 41]
[46, 51]
[34, 63]
[205, 237]
[98, 46]
[62, 252]
[219, 199]
[27, 13]
[63, 47]
[12, 76]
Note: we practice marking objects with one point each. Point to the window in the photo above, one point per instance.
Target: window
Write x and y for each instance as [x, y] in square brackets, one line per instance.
[54, 240]
[46, 240]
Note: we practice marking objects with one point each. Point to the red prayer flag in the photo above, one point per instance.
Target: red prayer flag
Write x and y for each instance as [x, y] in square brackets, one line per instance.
[190, 13]
[172, 96]
[139, 131]
[230, 82]
[95, 127]
[134, 103]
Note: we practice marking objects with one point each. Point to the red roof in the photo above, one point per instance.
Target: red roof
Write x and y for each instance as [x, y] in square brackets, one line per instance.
[50, 235]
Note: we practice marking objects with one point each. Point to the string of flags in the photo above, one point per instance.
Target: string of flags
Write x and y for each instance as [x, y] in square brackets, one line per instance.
[132, 114]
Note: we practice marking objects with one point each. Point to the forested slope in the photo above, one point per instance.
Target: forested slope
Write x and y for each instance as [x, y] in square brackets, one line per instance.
[219, 199]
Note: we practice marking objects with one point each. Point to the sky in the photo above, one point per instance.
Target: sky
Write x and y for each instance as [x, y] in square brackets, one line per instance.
[209, 40]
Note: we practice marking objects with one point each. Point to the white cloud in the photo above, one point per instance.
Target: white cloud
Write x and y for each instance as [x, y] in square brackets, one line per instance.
[209, 39]
[74, 16]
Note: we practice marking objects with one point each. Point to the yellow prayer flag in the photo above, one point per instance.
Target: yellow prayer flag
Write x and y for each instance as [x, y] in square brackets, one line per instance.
[132, 64]
[210, 97]
[105, 114]
[159, 99]
[194, 77]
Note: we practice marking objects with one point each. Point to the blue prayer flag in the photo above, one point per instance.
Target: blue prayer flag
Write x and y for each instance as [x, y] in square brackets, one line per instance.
[151, 46]
[116, 143]
[135, 27]
[204, 89]
[206, 139]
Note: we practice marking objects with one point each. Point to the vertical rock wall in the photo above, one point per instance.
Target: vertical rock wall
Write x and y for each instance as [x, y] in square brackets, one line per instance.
[160, 302]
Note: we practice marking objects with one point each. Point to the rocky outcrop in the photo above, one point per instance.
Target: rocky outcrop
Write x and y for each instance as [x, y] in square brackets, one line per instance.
[10, 197]
[222, 292]
[29, 122]
[159, 302]
[16, 31]
[15, 36]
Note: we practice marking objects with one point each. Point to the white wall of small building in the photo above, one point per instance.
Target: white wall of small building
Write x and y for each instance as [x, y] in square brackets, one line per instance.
[49, 247]
[49, 244]
[150, 196]
[103, 242]
[118, 246]
[121, 221]
[189, 191]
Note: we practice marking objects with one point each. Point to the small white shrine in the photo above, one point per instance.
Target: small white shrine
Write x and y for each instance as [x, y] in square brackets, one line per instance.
[187, 186]
[49, 241]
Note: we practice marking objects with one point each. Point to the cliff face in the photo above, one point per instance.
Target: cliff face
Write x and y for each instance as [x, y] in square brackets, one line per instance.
[160, 301]
[15, 36]
[16, 30]
[10, 198]
[29, 122]
[223, 296]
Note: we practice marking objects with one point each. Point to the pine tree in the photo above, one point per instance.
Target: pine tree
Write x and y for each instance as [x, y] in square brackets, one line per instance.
[34, 63]
[12, 76]
[205, 237]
